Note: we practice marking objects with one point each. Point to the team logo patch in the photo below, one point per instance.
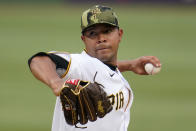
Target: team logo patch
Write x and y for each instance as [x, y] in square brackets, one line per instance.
[67, 107]
[72, 81]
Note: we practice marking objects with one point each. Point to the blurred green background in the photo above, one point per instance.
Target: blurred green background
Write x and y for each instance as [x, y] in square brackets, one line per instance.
[163, 102]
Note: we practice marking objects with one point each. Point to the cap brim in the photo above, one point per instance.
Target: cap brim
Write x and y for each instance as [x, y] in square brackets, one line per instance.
[101, 22]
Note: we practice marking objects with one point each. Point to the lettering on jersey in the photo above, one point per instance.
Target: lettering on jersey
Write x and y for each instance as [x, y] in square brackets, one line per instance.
[112, 99]
[121, 99]
[118, 99]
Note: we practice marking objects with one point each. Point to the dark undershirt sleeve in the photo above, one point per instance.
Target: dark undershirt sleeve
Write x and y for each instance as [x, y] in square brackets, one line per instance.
[60, 63]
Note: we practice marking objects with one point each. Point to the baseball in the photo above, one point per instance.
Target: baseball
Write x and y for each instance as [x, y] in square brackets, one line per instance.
[151, 69]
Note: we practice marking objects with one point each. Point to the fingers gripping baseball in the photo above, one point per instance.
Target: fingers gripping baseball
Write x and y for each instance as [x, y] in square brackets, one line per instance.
[83, 101]
[151, 59]
[139, 66]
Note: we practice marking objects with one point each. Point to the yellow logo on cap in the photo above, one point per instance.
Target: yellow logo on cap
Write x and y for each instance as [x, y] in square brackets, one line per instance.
[95, 12]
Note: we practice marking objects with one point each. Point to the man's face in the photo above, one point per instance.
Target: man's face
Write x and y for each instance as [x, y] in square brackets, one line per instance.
[102, 41]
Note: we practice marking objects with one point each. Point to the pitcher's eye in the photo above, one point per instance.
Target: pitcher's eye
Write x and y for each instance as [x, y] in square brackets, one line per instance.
[107, 31]
[92, 33]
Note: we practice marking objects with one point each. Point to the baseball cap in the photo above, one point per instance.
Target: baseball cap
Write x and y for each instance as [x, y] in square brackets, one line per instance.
[98, 14]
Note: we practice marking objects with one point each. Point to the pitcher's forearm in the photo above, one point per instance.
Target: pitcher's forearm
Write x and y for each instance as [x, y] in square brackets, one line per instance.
[44, 70]
[125, 65]
[137, 65]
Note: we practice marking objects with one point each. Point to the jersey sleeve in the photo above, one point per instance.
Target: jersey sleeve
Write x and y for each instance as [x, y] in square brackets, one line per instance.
[62, 61]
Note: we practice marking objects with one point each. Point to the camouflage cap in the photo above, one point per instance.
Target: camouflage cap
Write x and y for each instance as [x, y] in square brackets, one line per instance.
[98, 14]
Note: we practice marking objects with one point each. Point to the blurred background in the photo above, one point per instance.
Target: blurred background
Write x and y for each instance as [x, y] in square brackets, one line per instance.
[163, 28]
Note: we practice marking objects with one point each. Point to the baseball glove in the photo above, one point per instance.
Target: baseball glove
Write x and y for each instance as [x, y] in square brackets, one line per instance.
[83, 101]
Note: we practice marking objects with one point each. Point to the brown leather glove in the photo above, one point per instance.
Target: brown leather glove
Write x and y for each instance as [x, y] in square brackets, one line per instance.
[83, 101]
